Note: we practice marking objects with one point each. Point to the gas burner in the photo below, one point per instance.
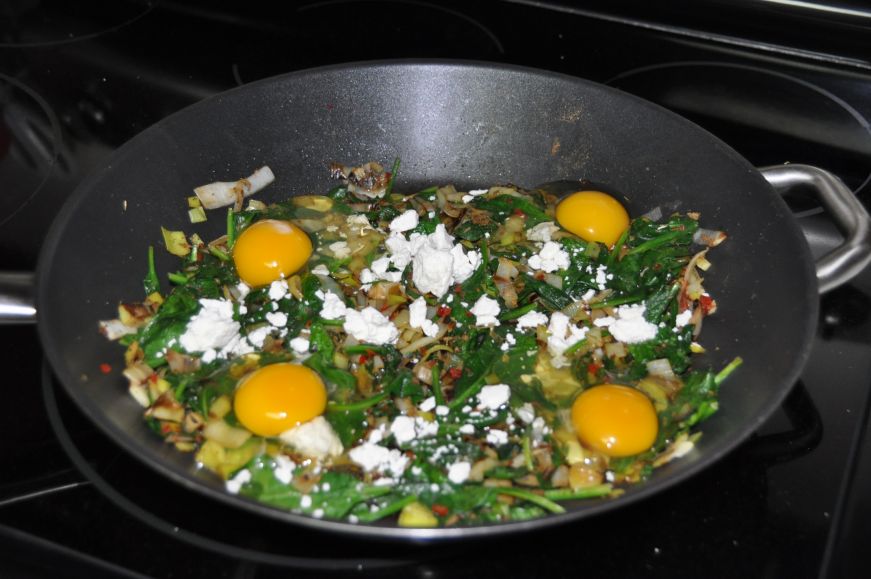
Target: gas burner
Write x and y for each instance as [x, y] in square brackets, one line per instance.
[767, 116]
[37, 24]
[356, 30]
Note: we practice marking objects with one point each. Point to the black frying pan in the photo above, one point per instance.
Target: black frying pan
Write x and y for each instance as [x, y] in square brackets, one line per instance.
[467, 124]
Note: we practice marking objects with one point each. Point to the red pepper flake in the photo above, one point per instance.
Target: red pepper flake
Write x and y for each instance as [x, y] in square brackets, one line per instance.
[105, 368]
[593, 367]
[153, 378]
[455, 373]
[440, 510]
[706, 302]
[458, 289]
[443, 311]
[519, 212]
[362, 359]
[167, 427]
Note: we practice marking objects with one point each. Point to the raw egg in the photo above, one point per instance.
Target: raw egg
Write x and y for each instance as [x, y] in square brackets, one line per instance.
[593, 216]
[278, 397]
[269, 250]
[615, 420]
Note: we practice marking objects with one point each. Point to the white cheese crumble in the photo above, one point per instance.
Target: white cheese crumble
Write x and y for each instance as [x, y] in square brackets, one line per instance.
[360, 223]
[315, 439]
[340, 249]
[370, 325]
[485, 311]
[628, 324]
[320, 269]
[602, 277]
[406, 428]
[526, 413]
[561, 335]
[305, 501]
[428, 404]
[417, 318]
[550, 258]
[405, 222]
[300, 345]
[213, 330]
[494, 396]
[459, 472]
[277, 319]
[257, 336]
[474, 193]
[277, 290]
[531, 319]
[373, 457]
[442, 410]
[542, 232]
[284, 468]
[467, 429]
[497, 437]
[683, 318]
[334, 307]
[234, 484]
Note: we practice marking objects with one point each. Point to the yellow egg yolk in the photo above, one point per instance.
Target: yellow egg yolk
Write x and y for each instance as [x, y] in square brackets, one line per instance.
[278, 397]
[615, 420]
[593, 216]
[269, 250]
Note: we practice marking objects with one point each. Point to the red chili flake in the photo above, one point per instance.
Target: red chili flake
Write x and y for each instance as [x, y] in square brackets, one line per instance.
[105, 368]
[706, 302]
[440, 510]
[519, 212]
[362, 359]
[593, 367]
[443, 311]
[153, 378]
[455, 373]
[167, 427]
[469, 314]
[458, 289]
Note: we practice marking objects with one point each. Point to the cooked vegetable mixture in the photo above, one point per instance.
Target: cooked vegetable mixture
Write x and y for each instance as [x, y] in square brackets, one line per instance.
[448, 357]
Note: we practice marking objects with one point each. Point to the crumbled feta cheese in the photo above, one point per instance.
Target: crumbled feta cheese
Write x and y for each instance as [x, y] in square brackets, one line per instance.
[277, 290]
[531, 320]
[235, 484]
[315, 439]
[300, 345]
[406, 428]
[428, 404]
[459, 472]
[509, 339]
[417, 318]
[602, 277]
[360, 223]
[494, 396]
[497, 437]
[442, 410]
[334, 307]
[539, 429]
[588, 295]
[630, 325]
[320, 269]
[542, 232]
[463, 264]
[380, 265]
[561, 336]
[277, 319]
[284, 468]
[683, 318]
[405, 222]
[467, 429]
[373, 457]
[485, 311]
[318, 513]
[474, 193]
[550, 258]
[431, 270]
[305, 501]
[436, 262]
[243, 289]
[213, 328]
[526, 413]
[370, 325]
[340, 249]
[258, 335]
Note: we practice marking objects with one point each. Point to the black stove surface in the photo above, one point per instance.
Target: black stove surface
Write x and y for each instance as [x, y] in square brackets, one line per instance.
[79, 79]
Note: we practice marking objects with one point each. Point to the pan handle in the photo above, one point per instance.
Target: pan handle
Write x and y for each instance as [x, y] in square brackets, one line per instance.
[844, 262]
[16, 298]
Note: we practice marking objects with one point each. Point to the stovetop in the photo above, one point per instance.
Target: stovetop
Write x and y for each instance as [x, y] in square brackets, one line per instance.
[779, 83]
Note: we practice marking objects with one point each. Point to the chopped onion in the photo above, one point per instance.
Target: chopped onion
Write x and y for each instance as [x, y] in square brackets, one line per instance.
[661, 367]
[654, 214]
[709, 237]
[418, 344]
[224, 193]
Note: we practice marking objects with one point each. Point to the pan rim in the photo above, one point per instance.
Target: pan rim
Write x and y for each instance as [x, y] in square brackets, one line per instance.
[634, 494]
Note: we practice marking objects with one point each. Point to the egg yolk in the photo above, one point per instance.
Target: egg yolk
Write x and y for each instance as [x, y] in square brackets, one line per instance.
[278, 397]
[593, 216]
[269, 250]
[615, 420]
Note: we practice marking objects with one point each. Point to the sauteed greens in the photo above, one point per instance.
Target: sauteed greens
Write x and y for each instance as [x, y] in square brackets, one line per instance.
[481, 362]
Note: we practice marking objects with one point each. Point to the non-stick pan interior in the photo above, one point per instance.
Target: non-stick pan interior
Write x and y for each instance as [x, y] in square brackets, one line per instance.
[467, 124]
